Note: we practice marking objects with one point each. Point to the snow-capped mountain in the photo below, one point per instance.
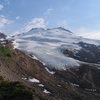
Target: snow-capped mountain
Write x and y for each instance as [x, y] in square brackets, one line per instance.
[58, 48]
[52, 48]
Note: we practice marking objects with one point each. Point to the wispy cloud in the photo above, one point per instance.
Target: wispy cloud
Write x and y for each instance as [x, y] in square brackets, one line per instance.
[3, 22]
[48, 12]
[1, 7]
[91, 35]
[87, 33]
[33, 23]
[18, 17]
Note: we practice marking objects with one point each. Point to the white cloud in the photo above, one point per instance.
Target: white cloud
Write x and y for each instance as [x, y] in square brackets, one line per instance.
[91, 35]
[18, 17]
[82, 30]
[47, 13]
[35, 23]
[4, 21]
[87, 33]
[1, 7]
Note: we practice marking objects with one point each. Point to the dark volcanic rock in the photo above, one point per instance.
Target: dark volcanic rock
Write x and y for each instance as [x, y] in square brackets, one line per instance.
[2, 36]
[88, 53]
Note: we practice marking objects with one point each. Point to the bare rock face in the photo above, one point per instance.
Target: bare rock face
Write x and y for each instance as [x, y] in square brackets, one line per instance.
[2, 36]
[88, 53]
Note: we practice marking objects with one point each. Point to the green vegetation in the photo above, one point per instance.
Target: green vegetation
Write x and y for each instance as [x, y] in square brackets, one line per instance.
[5, 51]
[14, 91]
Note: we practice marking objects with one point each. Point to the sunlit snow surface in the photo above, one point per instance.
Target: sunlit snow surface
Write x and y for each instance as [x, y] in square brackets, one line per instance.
[47, 45]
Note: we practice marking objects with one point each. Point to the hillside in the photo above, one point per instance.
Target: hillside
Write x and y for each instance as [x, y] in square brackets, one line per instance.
[74, 83]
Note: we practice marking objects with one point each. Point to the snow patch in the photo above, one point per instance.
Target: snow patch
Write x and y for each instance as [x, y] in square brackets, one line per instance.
[34, 80]
[90, 90]
[76, 85]
[34, 57]
[3, 42]
[51, 72]
[41, 85]
[46, 91]
[15, 44]
[24, 78]
[2, 39]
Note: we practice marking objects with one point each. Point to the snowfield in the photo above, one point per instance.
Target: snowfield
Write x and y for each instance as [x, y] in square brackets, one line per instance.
[47, 44]
[34, 80]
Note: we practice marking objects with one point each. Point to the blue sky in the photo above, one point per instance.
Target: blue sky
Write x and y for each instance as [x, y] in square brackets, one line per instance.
[79, 16]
